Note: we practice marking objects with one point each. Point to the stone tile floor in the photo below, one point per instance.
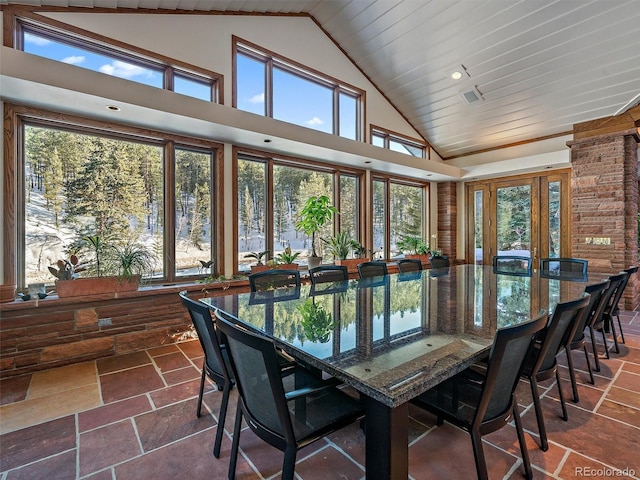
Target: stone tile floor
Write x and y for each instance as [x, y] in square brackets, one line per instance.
[133, 417]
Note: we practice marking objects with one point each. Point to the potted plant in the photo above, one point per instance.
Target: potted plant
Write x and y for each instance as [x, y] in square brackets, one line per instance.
[116, 267]
[315, 214]
[286, 259]
[414, 247]
[340, 246]
[259, 266]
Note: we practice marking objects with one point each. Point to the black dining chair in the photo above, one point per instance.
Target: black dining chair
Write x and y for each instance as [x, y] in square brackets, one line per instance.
[613, 309]
[216, 361]
[372, 269]
[275, 278]
[565, 266]
[288, 409]
[483, 402]
[579, 339]
[409, 265]
[440, 261]
[598, 322]
[513, 265]
[541, 364]
[328, 273]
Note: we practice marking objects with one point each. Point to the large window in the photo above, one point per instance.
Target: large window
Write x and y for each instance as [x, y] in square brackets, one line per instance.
[398, 211]
[81, 182]
[270, 195]
[193, 198]
[276, 87]
[92, 55]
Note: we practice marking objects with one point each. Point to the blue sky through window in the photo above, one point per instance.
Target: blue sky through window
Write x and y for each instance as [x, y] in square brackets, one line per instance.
[297, 100]
[112, 65]
[250, 84]
[85, 58]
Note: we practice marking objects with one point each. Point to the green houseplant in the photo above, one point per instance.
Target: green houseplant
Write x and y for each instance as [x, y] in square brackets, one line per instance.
[341, 246]
[315, 214]
[258, 256]
[287, 258]
[414, 247]
[114, 267]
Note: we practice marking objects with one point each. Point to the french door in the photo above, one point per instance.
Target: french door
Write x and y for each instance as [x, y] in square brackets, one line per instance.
[525, 215]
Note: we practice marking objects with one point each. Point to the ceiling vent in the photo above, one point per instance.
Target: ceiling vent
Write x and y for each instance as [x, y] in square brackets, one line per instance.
[471, 96]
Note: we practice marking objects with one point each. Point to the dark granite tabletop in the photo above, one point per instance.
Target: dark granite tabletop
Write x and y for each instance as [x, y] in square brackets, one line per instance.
[395, 337]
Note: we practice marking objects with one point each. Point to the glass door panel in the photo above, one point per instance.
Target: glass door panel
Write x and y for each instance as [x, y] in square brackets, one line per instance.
[554, 219]
[513, 220]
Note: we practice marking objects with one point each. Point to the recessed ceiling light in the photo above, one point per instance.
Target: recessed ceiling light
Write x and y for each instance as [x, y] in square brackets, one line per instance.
[458, 72]
[367, 162]
[113, 108]
[267, 140]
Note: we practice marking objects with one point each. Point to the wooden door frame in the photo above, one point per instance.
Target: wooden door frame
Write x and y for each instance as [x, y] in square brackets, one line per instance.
[539, 211]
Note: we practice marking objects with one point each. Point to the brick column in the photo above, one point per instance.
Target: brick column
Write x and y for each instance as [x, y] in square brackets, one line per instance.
[604, 208]
[447, 220]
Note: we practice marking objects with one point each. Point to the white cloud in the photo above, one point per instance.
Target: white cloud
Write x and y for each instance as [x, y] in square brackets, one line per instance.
[29, 38]
[314, 121]
[259, 98]
[74, 60]
[124, 70]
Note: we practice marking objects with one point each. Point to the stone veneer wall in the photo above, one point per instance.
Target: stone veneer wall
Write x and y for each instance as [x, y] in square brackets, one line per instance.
[447, 220]
[41, 334]
[605, 203]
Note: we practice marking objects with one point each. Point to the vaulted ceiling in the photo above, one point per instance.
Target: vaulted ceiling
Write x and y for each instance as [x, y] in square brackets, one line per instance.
[535, 68]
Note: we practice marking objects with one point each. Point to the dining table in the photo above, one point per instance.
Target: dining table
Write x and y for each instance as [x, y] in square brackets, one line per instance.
[391, 338]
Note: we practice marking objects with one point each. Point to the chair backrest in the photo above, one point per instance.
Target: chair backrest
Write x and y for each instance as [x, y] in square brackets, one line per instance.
[204, 324]
[255, 367]
[512, 264]
[597, 320]
[328, 273]
[372, 269]
[440, 261]
[508, 352]
[274, 278]
[409, 265]
[561, 327]
[576, 266]
[617, 295]
[596, 291]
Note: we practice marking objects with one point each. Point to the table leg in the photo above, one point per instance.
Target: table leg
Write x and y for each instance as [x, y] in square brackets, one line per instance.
[387, 441]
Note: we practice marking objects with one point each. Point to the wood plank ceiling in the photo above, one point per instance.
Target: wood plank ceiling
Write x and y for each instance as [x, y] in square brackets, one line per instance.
[537, 67]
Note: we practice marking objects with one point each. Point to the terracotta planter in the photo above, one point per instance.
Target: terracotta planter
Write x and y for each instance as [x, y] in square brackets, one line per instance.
[7, 292]
[259, 268]
[81, 287]
[351, 263]
[287, 266]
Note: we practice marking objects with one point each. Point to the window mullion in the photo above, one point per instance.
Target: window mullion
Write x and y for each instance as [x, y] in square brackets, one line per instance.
[268, 88]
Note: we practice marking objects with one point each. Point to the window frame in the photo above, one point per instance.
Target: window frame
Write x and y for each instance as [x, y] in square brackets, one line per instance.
[270, 160]
[388, 180]
[388, 136]
[273, 60]
[18, 117]
[74, 36]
